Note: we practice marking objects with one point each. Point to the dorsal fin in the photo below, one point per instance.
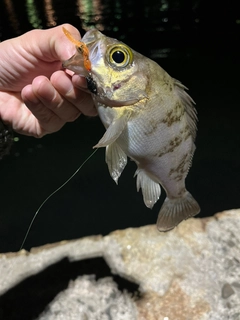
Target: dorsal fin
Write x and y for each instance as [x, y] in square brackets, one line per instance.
[188, 103]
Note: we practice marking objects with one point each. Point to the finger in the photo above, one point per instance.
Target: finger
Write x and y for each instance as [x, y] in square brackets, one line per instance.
[79, 82]
[51, 110]
[19, 116]
[53, 100]
[62, 47]
[52, 44]
[47, 119]
[80, 99]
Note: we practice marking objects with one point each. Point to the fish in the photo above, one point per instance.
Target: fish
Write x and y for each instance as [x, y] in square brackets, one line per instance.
[148, 116]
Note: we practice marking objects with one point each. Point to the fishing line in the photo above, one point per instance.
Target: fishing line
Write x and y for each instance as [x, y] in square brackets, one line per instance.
[55, 191]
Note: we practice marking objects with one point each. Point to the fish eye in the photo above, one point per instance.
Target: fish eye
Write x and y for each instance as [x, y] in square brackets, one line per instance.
[119, 56]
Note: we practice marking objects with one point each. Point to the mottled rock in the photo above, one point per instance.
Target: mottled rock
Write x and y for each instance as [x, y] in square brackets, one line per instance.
[87, 299]
[189, 273]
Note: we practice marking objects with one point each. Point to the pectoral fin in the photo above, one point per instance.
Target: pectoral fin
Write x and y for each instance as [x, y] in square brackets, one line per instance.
[116, 160]
[151, 190]
[114, 130]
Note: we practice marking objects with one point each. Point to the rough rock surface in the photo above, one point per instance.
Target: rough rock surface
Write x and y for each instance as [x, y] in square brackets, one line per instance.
[189, 273]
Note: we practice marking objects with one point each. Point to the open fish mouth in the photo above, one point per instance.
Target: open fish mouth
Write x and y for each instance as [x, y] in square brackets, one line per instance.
[77, 63]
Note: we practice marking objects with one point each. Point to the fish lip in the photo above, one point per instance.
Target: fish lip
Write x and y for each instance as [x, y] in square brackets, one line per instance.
[76, 64]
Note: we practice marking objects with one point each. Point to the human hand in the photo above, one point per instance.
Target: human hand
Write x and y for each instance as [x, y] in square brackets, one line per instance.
[36, 96]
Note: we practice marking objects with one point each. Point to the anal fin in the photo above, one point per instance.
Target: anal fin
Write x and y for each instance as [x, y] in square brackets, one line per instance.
[151, 190]
[173, 211]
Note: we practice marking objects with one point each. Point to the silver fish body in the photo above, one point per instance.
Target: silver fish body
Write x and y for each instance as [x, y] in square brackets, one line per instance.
[148, 117]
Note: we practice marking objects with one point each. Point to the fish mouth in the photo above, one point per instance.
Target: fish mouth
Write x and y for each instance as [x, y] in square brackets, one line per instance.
[76, 64]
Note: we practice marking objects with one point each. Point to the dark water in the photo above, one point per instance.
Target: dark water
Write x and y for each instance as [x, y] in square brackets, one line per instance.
[197, 43]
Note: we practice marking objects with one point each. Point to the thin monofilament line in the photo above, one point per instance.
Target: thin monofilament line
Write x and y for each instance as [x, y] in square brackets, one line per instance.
[59, 188]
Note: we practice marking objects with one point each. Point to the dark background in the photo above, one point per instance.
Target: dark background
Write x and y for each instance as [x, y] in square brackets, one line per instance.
[196, 42]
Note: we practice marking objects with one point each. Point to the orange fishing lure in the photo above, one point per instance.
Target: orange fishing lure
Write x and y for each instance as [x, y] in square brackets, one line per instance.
[82, 47]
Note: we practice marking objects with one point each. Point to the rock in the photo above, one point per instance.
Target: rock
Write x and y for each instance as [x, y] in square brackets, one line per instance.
[189, 273]
[87, 298]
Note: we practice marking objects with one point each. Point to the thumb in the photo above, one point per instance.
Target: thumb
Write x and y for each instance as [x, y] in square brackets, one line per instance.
[51, 44]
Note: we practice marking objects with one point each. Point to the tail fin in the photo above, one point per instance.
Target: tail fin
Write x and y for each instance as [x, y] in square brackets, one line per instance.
[173, 211]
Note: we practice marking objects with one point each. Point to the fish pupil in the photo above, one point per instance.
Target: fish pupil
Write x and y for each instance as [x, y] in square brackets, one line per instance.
[118, 56]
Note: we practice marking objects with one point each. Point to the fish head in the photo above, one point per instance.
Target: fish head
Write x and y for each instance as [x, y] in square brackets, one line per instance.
[118, 75]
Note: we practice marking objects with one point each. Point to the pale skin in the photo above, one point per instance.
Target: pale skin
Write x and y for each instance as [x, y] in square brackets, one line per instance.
[37, 96]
